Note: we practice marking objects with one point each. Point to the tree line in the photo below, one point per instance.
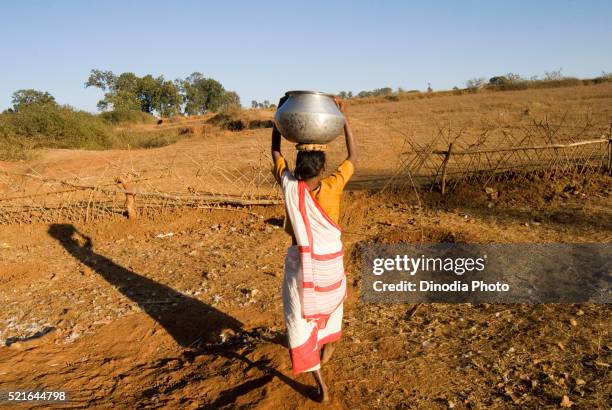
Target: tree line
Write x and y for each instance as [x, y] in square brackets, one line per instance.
[193, 95]
[347, 95]
[265, 104]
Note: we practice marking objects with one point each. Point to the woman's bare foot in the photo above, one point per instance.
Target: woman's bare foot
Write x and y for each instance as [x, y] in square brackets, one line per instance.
[326, 352]
[323, 395]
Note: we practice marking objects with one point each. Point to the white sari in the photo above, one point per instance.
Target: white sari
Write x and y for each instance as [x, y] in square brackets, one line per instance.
[314, 284]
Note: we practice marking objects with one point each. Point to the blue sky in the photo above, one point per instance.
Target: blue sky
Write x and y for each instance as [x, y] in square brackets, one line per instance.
[261, 49]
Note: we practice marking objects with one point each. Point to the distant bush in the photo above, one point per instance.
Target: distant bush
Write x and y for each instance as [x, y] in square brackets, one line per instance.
[254, 124]
[228, 121]
[511, 81]
[54, 126]
[474, 84]
[603, 78]
[234, 119]
[376, 92]
[263, 105]
[345, 95]
[117, 117]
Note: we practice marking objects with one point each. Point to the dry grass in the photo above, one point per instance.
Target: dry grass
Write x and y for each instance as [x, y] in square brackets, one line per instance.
[218, 161]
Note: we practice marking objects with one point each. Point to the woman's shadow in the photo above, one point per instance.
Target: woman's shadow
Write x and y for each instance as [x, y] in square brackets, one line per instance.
[189, 321]
[186, 319]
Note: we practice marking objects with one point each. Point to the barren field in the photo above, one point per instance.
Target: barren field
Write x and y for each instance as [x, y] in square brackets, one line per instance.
[182, 308]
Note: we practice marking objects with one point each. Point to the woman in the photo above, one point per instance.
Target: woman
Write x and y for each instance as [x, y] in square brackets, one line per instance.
[314, 284]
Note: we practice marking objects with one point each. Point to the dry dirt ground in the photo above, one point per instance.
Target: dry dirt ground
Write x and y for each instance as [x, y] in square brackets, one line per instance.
[183, 309]
[127, 315]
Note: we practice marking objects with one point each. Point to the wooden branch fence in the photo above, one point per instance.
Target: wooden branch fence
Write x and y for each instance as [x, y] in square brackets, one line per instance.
[123, 189]
[120, 190]
[438, 167]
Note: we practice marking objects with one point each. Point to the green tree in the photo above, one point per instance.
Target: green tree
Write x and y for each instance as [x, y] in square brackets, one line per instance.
[170, 98]
[120, 92]
[214, 93]
[28, 97]
[100, 79]
[202, 94]
[231, 99]
[123, 94]
[148, 93]
[193, 98]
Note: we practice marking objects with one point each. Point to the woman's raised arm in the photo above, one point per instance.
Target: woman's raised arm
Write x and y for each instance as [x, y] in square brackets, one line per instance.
[351, 147]
[276, 136]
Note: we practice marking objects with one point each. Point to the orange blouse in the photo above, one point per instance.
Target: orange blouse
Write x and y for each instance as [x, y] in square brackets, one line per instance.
[327, 194]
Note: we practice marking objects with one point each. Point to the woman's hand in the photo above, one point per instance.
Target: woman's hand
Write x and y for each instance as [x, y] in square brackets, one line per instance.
[351, 147]
[341, 105]
[276, 135]
[282, 101]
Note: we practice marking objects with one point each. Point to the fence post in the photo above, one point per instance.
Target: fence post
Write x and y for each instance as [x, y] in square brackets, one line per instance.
[610, 156]
[130, 201]
[446, 159]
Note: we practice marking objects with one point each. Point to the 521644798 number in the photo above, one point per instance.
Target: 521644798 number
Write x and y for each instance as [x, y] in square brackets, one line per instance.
[25, 395]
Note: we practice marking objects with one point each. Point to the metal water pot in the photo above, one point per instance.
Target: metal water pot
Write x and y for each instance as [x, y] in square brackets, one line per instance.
[309, 117]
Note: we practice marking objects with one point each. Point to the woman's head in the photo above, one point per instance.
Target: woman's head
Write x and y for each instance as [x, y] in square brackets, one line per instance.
[309, 164]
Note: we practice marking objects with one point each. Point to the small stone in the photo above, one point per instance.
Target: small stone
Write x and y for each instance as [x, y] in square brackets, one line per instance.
[428, 344]
[164, 235]
[573, 322]
[566, 402]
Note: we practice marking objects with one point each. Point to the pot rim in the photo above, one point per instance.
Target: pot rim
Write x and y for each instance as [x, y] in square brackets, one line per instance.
[298, 92]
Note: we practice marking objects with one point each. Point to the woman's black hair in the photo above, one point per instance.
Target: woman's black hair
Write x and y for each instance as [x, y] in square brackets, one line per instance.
[309, 164]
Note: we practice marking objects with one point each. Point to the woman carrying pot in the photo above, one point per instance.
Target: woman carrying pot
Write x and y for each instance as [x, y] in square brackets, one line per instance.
[314, 283]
